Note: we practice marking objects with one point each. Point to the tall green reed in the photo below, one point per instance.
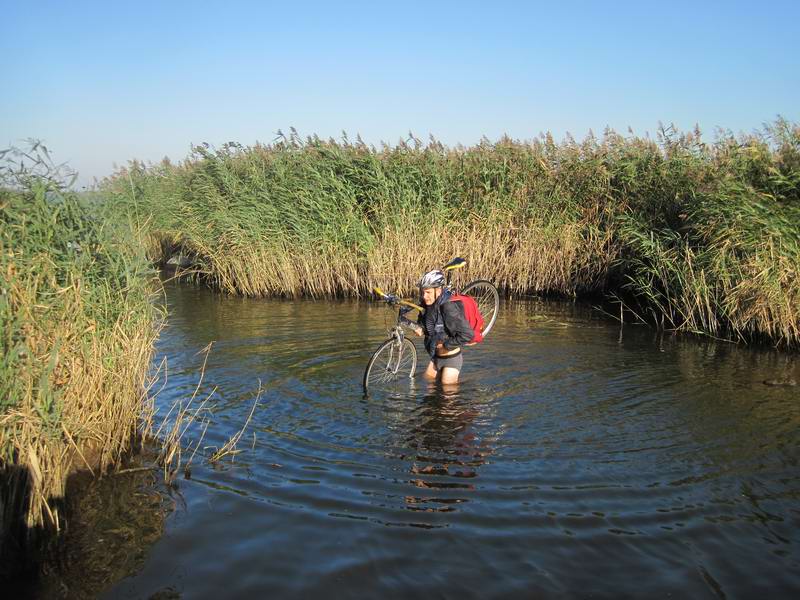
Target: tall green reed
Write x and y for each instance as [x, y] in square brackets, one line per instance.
[690, 235]
[76, 337]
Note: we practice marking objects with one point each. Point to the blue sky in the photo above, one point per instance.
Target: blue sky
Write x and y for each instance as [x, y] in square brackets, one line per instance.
[104, 82]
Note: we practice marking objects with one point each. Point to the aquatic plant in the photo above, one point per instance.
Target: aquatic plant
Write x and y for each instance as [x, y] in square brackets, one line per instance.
[728, 262]
[690, 235]
[76, 335]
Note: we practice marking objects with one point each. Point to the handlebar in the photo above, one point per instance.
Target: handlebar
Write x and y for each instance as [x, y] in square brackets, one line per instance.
[392, 299]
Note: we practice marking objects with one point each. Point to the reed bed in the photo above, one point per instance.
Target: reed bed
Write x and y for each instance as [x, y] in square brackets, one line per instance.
[689, 235]
[76, 335]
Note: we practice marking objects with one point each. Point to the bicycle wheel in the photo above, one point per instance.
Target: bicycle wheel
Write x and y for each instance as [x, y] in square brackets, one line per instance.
[488, 300]
[392, 362]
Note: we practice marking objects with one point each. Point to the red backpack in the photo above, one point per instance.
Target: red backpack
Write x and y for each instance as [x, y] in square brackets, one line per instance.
[472, 314]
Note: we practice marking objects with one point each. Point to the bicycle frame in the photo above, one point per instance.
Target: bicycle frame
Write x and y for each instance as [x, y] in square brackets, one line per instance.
[456, 263]
[405, 307]
[389, 362]
[397, 331]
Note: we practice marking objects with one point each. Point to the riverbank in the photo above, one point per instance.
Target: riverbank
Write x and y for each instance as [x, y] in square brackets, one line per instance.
[687, 235]
[77, 328]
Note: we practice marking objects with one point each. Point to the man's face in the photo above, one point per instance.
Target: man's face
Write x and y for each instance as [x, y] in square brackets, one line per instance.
[429, 295]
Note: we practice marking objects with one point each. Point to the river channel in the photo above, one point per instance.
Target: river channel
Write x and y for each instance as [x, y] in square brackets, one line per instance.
[577, 458]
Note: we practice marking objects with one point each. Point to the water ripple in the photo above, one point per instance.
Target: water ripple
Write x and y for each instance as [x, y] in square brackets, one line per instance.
[572, 456]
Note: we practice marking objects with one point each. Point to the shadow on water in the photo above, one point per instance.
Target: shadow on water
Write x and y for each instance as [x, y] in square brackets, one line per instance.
[575, 458]
[109, 527]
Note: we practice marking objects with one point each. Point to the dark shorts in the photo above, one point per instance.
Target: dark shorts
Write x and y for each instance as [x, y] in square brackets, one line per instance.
[450, 362]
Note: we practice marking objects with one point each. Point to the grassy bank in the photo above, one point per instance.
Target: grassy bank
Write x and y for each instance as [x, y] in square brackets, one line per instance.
[689, 235]
[76, 336]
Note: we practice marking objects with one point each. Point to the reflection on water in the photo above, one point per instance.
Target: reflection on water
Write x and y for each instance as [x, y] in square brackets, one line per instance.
[113, 523]
[575, 458]
[446, 451]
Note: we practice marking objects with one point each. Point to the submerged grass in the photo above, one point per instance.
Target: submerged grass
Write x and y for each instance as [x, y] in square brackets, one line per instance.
[689, 235]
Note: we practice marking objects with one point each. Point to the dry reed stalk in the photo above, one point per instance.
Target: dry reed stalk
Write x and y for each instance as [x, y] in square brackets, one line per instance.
[73, 412]
[182, 415]
[229, 448]
[171, 431]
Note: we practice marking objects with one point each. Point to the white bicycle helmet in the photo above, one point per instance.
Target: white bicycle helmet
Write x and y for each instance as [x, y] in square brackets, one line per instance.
[432, 279]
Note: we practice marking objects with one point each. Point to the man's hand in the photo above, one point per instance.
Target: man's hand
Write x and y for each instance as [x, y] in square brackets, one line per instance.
[415, 327]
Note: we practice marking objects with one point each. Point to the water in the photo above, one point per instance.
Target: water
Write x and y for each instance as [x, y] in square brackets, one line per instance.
[575, 459]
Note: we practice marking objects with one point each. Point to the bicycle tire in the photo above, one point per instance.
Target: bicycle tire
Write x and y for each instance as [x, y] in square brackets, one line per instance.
[390, 363]
[488, 299]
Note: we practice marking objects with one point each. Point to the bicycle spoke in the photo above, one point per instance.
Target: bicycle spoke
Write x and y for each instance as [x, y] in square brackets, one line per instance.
[404, 363]
[392, 363]
[484, 299]
[385, 369]
[487, 299]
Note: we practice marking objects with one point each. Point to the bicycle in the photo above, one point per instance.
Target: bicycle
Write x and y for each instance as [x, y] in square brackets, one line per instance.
[396, 358]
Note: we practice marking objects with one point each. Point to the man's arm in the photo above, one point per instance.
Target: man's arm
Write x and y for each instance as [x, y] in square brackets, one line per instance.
[416, 328]
[456, 326]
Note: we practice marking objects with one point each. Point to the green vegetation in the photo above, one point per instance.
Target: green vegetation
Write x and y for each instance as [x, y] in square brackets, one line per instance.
[688, 235]
[76, 336]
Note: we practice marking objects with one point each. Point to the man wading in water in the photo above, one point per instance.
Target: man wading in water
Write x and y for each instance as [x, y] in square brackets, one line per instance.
[445, 328]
